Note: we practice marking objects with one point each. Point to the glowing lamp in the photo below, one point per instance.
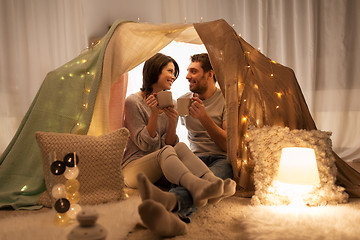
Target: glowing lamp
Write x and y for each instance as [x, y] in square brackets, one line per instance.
[298, 166]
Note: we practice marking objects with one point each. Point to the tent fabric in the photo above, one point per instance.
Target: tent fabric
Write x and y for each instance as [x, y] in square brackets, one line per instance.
[259, 92]
[130, 45]
[64, 104]
[76, 98]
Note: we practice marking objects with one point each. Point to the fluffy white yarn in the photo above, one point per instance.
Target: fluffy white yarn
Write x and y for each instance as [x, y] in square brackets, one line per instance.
[265, 145]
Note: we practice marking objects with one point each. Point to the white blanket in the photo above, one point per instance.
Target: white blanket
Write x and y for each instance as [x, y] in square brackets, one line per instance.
[117, 218]
[232, 218]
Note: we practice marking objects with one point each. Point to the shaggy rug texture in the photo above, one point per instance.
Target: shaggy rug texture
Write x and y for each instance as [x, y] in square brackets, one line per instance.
[232, 218]
[287, 222]
[117, 218]
[235, 218]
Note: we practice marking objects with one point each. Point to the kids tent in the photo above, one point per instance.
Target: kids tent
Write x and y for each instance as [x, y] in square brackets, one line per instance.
[86, 96]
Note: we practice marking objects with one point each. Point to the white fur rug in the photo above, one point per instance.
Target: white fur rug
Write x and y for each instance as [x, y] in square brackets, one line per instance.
[235, 219]
[330, 222]
[232, 218]
[117, 218]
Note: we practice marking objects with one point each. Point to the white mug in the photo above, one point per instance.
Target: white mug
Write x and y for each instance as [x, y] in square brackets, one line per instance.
[164, 99]
[183, 105]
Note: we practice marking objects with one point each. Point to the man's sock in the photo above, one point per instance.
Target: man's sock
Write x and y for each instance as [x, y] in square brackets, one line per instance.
[201, 190]
[150, 191]
[229, 190]
[159, 220]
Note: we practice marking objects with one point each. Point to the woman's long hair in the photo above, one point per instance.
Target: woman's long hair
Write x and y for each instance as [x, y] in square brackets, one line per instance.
[152, 70]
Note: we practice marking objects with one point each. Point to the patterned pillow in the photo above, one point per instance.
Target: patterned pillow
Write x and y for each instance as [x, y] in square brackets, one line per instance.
[265, 146]
[100, 175]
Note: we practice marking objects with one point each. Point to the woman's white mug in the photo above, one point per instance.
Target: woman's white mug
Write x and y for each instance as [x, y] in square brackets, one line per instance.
[183, 105]
[164, 99]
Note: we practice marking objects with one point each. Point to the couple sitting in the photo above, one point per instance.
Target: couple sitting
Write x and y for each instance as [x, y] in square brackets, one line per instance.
[202, 175]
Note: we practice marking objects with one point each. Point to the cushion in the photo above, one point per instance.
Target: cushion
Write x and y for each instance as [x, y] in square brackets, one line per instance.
[265, 145]
[99, 165]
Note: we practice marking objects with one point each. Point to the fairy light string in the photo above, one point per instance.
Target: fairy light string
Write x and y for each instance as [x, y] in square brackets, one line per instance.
[250, 71]
[80, 70]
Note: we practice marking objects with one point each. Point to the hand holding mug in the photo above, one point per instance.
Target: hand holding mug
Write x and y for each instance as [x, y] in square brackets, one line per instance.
[197, 108]
[152, 102]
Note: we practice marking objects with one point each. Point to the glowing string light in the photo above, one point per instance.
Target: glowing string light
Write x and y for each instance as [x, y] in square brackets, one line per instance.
[271, 67]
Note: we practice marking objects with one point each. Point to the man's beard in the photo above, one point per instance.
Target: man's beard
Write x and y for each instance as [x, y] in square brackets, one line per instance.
[199, 89]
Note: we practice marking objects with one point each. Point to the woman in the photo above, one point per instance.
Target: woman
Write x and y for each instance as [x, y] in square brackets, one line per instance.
[153, 147]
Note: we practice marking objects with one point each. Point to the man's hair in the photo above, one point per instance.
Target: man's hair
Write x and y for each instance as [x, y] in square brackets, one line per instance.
[203, 58]
[152, 70]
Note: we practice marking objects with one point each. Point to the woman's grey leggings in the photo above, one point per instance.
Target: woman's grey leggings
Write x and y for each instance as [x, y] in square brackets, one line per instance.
[172, 162]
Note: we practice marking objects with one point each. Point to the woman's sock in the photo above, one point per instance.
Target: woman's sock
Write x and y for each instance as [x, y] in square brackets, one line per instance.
[201, 190]
[159, 220]
[229, 187]
[229, 190]
[210, 176]
[150, 191]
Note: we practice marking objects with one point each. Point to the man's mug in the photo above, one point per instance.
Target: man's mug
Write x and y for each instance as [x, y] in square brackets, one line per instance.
[183, 105]
[164, 99]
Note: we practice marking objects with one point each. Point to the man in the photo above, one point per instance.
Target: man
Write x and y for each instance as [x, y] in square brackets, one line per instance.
[161, 211]
[206, 123]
